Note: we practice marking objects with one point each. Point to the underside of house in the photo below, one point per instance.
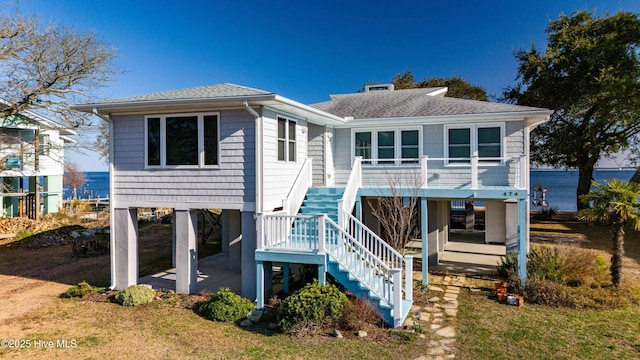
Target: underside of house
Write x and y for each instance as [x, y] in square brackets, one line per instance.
[298, 184]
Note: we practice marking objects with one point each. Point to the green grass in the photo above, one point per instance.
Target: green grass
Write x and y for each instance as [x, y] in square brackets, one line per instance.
[491, 330]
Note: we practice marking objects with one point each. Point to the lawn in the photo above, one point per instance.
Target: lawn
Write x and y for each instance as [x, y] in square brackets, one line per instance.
[32, 311]
[490, 330]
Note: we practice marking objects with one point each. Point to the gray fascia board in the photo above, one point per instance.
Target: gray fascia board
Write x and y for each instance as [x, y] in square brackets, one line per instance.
[447, 119]
[134, 106]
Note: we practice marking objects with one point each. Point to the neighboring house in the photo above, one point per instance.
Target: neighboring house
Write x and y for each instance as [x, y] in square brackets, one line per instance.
[31, 164]
[292, 179]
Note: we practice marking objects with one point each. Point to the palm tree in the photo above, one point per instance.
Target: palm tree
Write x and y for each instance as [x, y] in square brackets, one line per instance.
[615, 203]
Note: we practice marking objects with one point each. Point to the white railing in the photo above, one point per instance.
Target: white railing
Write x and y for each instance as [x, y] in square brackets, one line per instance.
[451, 172]
[371, 271]
[296, 195]
[320, 235]
[348, 200]
[288, 232]
[380, 249]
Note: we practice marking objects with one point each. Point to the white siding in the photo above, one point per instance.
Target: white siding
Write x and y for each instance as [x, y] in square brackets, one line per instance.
[316, 152]
[279, 176]
[342, 156]
[232, 182]
[330, 149]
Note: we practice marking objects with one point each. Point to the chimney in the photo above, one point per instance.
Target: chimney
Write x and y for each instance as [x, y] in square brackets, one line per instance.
[378, 87]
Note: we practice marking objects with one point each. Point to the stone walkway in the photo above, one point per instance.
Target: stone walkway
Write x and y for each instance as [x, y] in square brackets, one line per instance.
[438, 317]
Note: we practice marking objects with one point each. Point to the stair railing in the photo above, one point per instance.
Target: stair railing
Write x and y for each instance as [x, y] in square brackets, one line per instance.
[381, 250]
[292, 203]
[366, 267]
[348, 200]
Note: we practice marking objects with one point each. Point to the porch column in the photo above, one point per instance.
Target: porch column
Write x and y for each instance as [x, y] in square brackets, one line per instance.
[511, 226]
[173, 238]
[433, 232]
[424, 233]
[124, 253]
[186, 251]
[224, 231]
[522, 239]
[248, 254]
[52, 194]
[322, 273]
[235, 232]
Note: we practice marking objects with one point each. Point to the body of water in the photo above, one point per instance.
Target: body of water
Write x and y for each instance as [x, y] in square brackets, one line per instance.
[561, 184]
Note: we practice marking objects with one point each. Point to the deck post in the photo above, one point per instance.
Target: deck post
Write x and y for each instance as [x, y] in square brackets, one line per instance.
[396, 276]
[260, 231]
[474, 171]
[124, 253]
[423, 170]
[424, 231]
[408, 278]
[259, 284]
[286, 273]
[522, 240]
[321, 233]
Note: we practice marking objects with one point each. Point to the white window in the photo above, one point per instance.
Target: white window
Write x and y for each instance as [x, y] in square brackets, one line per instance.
[182, 140]
[286, 139]
[387, 146]
[463, 142]
[44, 144]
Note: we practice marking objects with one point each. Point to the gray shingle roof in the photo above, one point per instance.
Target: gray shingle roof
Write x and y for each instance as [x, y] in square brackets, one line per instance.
[409, 103]
[201, 92]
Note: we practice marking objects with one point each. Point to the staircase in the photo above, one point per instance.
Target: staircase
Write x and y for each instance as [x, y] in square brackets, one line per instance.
[322, 200]
[349, 261]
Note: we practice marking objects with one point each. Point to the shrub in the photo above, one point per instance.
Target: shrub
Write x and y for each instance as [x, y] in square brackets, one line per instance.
[312, 305]
[95, 245]
[546, 263]
[545, 214]
[80, 290]
[225, 305]
[546, 292]
[135, 295]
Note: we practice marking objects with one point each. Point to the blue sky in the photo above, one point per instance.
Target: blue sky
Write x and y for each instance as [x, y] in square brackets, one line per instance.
[306, 50]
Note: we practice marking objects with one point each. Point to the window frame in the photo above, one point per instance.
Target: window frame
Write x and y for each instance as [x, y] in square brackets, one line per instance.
[163, 140]
[288, 141]
[473, 130]
[397, 146]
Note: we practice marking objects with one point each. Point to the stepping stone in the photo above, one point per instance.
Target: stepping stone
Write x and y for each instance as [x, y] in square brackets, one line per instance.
[447, 342]
[435, 326]
[435, 288]
[438, 314]
[416, 308]
[475, 290]
[450, 356]
[437, 321]
[436, 351]
[450, 298]
[447, 279]
[434, 299]
[431, 309]
[447, 332]
[450, 306]
[451, 312]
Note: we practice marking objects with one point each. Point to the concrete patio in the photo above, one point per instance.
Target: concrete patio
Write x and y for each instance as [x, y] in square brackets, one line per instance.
[213, 273]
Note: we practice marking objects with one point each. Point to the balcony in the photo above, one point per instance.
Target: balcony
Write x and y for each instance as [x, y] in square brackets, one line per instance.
[446, 173]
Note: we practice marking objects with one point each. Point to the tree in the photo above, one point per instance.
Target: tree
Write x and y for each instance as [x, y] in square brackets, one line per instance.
[590, 75]
[615, 203]
[457, 87]
[398, 213]
[73, 178]
[48, 68]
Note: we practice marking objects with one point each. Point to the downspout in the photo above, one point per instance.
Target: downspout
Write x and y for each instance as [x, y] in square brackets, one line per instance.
[258, 154]
[112, 239]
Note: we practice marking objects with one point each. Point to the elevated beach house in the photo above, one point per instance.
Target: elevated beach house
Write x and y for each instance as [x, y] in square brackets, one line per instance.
[294, 180]
[31, 164]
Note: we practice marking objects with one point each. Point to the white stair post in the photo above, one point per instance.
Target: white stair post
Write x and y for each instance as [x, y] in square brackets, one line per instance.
[423, 170]
[408, 280]
[396, 276]
[321, 234]
[260, 231]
